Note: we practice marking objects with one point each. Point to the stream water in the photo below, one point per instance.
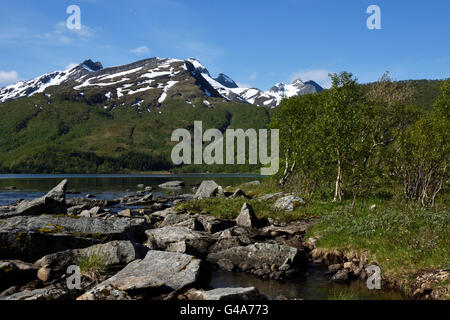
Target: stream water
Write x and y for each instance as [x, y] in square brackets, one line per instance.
[312, 284]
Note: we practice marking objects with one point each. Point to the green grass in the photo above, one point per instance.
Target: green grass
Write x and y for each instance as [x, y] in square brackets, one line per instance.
[339, 294]
[91, 264]
[229, 208]
[401, 240]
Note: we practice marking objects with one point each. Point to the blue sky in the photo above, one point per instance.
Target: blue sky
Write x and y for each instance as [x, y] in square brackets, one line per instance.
[255, 42]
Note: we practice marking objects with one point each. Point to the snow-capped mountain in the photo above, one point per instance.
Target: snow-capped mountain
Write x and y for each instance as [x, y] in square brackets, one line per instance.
[149, 82]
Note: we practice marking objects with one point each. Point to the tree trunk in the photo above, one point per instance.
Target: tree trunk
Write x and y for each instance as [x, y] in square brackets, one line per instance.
[338, 191]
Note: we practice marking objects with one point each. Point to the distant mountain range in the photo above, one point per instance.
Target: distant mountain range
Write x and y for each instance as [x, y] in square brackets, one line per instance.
[150, 82]
[91, 119]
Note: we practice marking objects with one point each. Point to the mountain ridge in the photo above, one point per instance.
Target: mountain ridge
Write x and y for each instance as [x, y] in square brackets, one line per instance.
[153, 73]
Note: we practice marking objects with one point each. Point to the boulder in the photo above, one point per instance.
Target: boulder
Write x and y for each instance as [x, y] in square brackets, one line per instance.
[159, 272]
[247, 217]
[289, 203]
[111, 253]
[207, 189]
[53, 202]
[47, 293]
[213, 225]
[32, 237]
[258, 254]
[163, 237]
[172, 185]
[342, 275]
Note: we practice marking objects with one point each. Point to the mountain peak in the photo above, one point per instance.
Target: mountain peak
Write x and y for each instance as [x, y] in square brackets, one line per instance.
[226, 81]
[91, 65]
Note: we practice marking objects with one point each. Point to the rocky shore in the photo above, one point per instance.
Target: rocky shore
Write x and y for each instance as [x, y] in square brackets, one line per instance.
[141, 246]
[144, 247]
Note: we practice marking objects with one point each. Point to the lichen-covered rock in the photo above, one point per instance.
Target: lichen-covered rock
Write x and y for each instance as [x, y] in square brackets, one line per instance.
[111, 253]
[259, 254]
[289, 203]
[32, 237]
[159, 272]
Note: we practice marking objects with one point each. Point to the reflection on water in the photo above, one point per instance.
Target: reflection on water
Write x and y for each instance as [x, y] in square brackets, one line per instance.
[312, 284]
[106, 186]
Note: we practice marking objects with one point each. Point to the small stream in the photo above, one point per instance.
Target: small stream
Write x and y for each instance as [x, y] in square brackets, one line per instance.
[312, 284]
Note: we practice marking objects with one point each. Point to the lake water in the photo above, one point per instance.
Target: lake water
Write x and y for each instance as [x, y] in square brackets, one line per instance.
[313, 283]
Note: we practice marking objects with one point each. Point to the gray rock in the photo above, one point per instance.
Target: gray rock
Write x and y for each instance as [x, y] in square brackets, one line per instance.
[172, 185]
[186, 220]
[207, 189]
[247, 217]
[48, 293]
[290, 229]
[106, 292]
[213, 225]
[90, 203]
[167, 271]
[270, 196]
[163, 237]
[147, 199]
[258, 254]
[53, 202]
[288, 203]
[111, 253]
[32, 237]
[342, 275]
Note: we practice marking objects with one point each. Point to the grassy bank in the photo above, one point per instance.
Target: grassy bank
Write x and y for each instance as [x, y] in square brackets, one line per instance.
[402, 240]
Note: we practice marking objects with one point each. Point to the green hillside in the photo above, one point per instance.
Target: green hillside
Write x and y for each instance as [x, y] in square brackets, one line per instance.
[68, 134]
[72, 137]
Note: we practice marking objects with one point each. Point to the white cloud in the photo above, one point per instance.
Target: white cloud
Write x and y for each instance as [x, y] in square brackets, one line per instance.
[8, 77]
[253, 76]
[319, 75]
[140, 50]
[63, 35]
